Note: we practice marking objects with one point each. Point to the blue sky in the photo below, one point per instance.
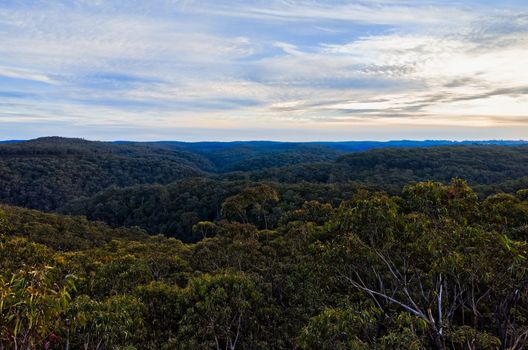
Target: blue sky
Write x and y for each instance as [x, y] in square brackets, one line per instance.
[277, 70]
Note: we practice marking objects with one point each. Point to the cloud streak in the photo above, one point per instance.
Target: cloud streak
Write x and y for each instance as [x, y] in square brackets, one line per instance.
[380, 66]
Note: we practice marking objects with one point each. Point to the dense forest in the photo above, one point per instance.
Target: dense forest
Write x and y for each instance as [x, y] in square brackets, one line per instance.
[167, 187]
[47, 172]
[285, 246]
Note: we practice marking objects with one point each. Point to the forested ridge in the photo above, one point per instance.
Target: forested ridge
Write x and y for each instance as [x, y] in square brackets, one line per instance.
[392, 168]
[45, 173]
[184, 246]
[172, 209]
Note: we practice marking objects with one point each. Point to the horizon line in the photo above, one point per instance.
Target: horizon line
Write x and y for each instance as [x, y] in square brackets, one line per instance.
[269, 140]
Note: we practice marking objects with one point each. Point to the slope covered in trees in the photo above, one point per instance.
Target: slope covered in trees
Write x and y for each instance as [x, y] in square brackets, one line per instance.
[433, 267]
[478, 164]
[48, 172]
[167, 187]
[255, 155]
[64, 233]
[392, 168]
[173, 209]
[293, 246]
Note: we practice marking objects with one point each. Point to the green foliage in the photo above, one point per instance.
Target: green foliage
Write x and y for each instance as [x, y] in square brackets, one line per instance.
[163, 313]
[64, 233]
[32, 308]
[204, 229]
[252, 202]
[493, 168]
[373, 217]
[221, 311]
[399, 166]
[432, 268]
[174, 209]
[5, 226]
[46, 173]
[17, 253]
[311, 211]
[113, 323]
[522, 194]
[466, 337]
[341, 328]
[247, 156]
[436, 200]
[120, 276]
[332, 264]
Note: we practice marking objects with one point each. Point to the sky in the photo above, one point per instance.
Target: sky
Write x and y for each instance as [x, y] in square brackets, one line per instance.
[286, 70]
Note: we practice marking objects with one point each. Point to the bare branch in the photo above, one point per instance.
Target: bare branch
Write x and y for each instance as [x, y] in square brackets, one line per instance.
[373, 292]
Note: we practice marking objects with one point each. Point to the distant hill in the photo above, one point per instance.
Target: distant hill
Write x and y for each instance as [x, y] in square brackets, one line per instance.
[478, 164]
[354, 146]
[172, 209]
[391, 168]
[46, 173]
[223, 157]
[257, 155]
[11, 141]
[210, 147]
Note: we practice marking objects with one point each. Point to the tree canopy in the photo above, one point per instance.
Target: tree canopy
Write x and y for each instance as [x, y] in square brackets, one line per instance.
[161, 246]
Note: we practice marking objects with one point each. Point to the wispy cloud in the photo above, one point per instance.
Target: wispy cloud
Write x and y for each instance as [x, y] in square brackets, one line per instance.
[25, 75]
[428, 68]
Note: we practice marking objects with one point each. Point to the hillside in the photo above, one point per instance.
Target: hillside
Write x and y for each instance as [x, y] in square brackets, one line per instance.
[478, 164]
[255, 155]
[175, 208]
[169, 187]
[64, 233]
[308, 248]
[369, 272]
[391, 168]
[46, 173]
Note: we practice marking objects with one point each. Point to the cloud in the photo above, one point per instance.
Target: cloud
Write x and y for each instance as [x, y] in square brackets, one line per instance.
[25, 75]
[372, 12]
[252, 64]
